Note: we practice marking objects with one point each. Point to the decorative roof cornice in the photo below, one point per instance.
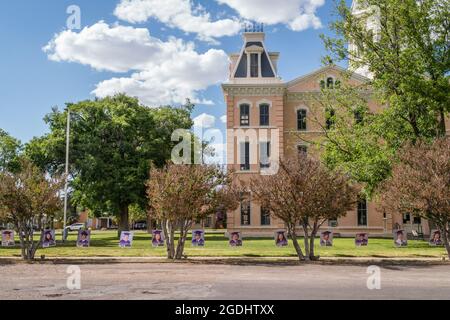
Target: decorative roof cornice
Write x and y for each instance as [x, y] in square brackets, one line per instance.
[254, 90]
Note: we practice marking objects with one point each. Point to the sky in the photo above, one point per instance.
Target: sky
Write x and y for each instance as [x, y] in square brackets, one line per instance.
[162, 51]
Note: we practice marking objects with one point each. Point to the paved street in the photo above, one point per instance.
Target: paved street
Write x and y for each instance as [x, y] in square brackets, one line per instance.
[210, 281]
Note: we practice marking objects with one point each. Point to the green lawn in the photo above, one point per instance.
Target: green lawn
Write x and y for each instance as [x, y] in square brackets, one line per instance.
[105, 244]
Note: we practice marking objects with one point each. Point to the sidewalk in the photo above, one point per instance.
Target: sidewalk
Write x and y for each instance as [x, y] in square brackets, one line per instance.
[235, 260]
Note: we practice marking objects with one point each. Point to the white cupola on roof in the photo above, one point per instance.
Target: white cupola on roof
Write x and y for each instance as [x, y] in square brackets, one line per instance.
[371, 17]
[254, 64]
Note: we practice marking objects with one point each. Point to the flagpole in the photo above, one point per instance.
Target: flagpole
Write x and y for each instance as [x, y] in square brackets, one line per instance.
[66, 186]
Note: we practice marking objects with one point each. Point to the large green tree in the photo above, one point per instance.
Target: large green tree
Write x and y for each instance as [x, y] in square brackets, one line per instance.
[407, 54]
[353, 138]
[9, 151]
[113, 142]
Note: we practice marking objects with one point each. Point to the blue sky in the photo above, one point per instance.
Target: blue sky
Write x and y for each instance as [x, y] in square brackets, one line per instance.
[32, 82]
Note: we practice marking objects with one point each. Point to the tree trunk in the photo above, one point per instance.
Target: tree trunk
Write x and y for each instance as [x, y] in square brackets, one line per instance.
[306, 241]
[298, 249]
[27, 244]
[185, 226]
[446, 235]
[23, 245]
[312, 255]
[124, 224]
[169, 232]
[442, 126]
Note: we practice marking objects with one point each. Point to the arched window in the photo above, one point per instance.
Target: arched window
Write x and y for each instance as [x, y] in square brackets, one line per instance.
[302, 149]
[244, 156]
[245, 213]
[358, 117]
[265, 217]
[264, 154]
[337, 84]
[330, 114]
[264, 114]
[244, 114]
[330, 83]
[322, 84]
[254, 66]
[301, 119]
[362, 212]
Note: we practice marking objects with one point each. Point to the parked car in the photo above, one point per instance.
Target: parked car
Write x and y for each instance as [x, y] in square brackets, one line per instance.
[140, 225]
[75, 227]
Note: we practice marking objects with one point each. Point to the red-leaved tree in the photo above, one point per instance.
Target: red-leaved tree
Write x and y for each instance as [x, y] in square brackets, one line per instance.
[420, 184]
[181, 194]
[28, 200]
[304, 193]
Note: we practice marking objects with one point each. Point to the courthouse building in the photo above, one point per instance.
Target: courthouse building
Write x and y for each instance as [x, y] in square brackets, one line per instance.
[277, 117]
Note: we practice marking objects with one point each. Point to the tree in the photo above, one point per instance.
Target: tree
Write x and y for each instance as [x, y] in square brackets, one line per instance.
[179, 195]
[137, 214]
[29, 199]
[9, 151]
[407, 52]
[304, 193]
[353, 139]
[420, 184]
[112, 144]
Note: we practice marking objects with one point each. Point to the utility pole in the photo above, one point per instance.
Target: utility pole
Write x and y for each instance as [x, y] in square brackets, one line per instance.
[66, 186]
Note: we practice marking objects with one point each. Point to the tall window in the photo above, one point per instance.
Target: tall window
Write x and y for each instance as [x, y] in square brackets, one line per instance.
[301, 120]
[245, 114]
[264, 115]
[254, 65]
[265, 217]
[362, 212]
[245, 156]
[302, 149]
[330, 118]
[358, 117]
[322, 84]
[264, 154]
[330, 83]
[337, 84]
[245, 213]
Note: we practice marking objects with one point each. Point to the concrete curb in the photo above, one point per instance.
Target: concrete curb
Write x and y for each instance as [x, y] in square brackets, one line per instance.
[233, 260]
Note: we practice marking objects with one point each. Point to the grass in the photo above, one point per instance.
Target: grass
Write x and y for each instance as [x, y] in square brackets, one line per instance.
[105, 244]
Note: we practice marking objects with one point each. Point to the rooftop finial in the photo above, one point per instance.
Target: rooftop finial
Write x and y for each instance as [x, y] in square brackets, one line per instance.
[253, 27]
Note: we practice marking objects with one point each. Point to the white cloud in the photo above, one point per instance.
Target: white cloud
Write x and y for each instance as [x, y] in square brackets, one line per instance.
[223, 119]
[178, 14]
[117, 49]
[205, 121]
[163, 72]
[296, 14]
